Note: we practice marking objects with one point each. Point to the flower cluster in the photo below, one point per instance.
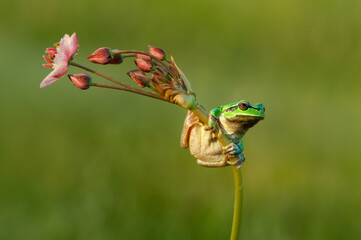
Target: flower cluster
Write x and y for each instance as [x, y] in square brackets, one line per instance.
[156, 72]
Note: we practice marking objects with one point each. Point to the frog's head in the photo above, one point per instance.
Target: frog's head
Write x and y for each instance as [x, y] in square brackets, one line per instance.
[244, 112]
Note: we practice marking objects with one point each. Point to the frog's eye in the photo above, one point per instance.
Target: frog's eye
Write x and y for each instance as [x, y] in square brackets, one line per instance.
[243, 106]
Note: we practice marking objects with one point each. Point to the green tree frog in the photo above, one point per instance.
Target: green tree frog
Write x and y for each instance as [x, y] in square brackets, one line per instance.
[234, 120]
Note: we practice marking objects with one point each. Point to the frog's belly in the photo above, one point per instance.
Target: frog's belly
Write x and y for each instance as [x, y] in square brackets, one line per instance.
[205, 147]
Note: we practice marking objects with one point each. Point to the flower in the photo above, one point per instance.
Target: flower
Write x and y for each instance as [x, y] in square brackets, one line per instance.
[58, 58]
[81, 80]
[105, 55]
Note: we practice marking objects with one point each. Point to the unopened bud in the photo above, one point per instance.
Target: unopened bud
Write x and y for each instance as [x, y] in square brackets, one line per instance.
[157, 77]
[174, 70]
[161, 70]
[139, 78]
[160, 74]
[81, 80]
[104, 56]
[143, 56]
[116, 58]
[144, 64]
[156, 52]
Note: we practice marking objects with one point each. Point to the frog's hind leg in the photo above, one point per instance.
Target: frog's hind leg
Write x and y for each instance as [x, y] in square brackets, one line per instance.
[190, 122]
[222, 163]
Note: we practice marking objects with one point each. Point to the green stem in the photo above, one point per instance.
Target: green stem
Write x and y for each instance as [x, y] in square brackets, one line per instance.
[238, 203]
[238, 179]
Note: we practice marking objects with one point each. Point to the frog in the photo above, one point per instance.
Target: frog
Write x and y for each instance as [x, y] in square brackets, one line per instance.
[233, 120]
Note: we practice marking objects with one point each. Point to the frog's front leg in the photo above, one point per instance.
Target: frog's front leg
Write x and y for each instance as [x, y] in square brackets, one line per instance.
[213, 124]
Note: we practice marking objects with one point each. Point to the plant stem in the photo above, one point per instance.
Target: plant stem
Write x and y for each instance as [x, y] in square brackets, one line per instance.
[237, 175]
[100, 75]
[238, 203]
[147, 94]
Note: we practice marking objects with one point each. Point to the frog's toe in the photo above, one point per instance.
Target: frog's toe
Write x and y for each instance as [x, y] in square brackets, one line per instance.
[239, 161]
[232, 149]
[208, 128]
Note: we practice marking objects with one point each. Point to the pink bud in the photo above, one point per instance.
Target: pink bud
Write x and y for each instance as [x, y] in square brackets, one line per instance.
[161, 70]
[104, 56]
[156, 52]
[144, 64]
[139, 78]
[101, 56]
[81, 80]
[157, 78]
[116, 58]
[143, 56]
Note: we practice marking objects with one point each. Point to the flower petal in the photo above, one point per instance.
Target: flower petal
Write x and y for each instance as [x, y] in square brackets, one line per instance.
[73, 44]
[57, 73]
[68, 47]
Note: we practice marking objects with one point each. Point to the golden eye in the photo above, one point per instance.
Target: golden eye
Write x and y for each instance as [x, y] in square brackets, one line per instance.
[243, 105]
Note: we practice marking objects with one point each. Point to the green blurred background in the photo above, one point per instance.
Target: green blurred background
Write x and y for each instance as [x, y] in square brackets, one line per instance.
[103, 164]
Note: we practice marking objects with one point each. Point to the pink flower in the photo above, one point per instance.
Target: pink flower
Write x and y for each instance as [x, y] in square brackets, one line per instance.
[59, 57]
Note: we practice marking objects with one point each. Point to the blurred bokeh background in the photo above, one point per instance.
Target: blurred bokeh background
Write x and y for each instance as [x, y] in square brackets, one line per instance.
[103, 164]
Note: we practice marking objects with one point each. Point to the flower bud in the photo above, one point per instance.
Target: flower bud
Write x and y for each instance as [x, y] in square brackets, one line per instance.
[116, 58]
[104, 56]
[101, 56]
[161, 70]
[144, 64]
[157, 77]
[143, 56]
[139, 78]
[174, 71]
[81, 80]
[156, 52]
[160, 75]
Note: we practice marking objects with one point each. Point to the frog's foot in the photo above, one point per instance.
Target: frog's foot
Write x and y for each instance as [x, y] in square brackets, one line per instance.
[213, 130]
[239, 161]
[208, 128]
[232, 150]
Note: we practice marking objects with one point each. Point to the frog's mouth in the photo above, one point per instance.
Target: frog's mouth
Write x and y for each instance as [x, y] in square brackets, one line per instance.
[246, 118]
[245, 122]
